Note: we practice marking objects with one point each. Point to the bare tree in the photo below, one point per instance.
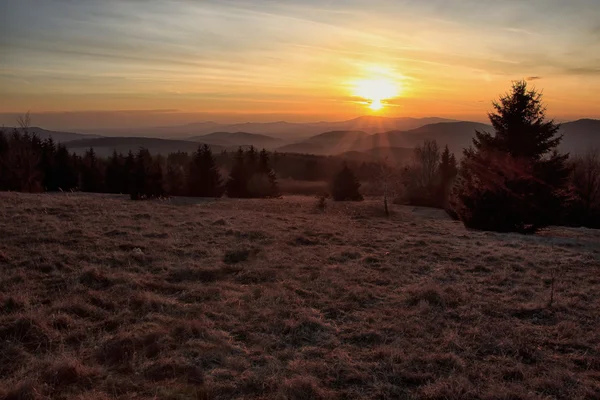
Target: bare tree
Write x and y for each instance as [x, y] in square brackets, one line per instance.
[422, 177]
[586, 178]
[24, 122]
[386, 177]
[427, 160]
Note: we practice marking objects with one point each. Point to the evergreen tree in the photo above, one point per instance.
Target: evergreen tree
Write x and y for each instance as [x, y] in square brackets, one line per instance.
[264, 168]
[66, 169]
[204, 178]
[177, 165]
[251, 161]
[514, 179]
[156, 185]
[520, 126]
[115, 177]
[22, 162]
[3, 161]
[447, 172]
[237, 183]
[140, 179]
[47, 165]
[175, 180]
[129, 172]
[346, 186]
[92, 179]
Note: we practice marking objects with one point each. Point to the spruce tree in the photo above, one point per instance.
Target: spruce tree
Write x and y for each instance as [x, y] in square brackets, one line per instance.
[66, 169]
[140, 179]
[237, 183]
[513, 179]
[447, 172]
[204, 178]
[47, 165]
[3, 160]
[129, 172]
[156, 184]
[345, 186]
[92, 176]
[251, 161]
[264, 168]
[178, 165]
[175, 180]
[115, 176]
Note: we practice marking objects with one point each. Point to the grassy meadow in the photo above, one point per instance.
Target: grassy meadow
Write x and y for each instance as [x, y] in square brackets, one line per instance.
[105, 298]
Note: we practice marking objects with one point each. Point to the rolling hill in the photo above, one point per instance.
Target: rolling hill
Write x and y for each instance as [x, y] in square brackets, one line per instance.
[105, 146]
[335, 142]
[232, 139]
[289, 131]
[394, 155]
[60, 137]
[578, 136]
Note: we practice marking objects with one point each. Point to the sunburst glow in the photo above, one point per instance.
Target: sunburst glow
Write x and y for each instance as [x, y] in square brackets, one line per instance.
[376, 91]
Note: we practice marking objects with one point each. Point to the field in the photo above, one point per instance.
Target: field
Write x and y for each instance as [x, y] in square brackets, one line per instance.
[105, 298]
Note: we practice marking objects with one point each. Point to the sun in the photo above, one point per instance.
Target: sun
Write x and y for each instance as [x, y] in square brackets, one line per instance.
[376, 91]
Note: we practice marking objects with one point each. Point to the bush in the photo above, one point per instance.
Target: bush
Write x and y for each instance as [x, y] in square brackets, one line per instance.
[346, 186]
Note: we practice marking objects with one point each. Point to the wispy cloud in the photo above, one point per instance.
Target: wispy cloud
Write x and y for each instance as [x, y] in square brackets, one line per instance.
[222, 54]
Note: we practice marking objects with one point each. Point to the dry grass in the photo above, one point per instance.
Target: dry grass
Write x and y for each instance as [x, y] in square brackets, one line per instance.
[104, 298]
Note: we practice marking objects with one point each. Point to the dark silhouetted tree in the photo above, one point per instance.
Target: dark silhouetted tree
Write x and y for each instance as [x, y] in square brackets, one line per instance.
[4, 167]
[345, 186]
[447, 171]
[251, 161]
[92, 179]
[175, 178]
[47, 165]
[22, 161]
[129, 171]
[66, 169]
[263, 183]
[237, 183]
[204, 178]
[116, 178]
[514, 179]
[156, 184]
[147, 180]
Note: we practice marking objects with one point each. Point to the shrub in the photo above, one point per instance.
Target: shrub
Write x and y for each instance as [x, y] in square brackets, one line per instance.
[346, 186]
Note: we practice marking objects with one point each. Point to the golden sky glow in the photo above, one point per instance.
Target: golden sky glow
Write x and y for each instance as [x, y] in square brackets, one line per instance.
[296, 59]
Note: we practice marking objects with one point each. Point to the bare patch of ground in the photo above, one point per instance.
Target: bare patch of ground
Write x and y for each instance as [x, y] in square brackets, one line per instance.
[105, 298]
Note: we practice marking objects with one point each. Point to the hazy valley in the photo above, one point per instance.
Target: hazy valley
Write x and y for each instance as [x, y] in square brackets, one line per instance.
[369, 135]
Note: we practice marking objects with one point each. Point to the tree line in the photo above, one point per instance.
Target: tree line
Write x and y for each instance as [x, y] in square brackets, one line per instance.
[28, 164]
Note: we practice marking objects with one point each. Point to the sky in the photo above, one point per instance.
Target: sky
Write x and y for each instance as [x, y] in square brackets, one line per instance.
[151, 62]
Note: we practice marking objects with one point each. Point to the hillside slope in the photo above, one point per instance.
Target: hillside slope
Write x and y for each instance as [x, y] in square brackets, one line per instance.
[57, 136]
[232, 139]
[103, 297]
[105, 146]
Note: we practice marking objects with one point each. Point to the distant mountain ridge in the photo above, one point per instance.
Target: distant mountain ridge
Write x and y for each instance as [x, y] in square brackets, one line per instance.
[578, 137]
[228, 139]
[57, 136]
[289, 131]
[105, 146]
